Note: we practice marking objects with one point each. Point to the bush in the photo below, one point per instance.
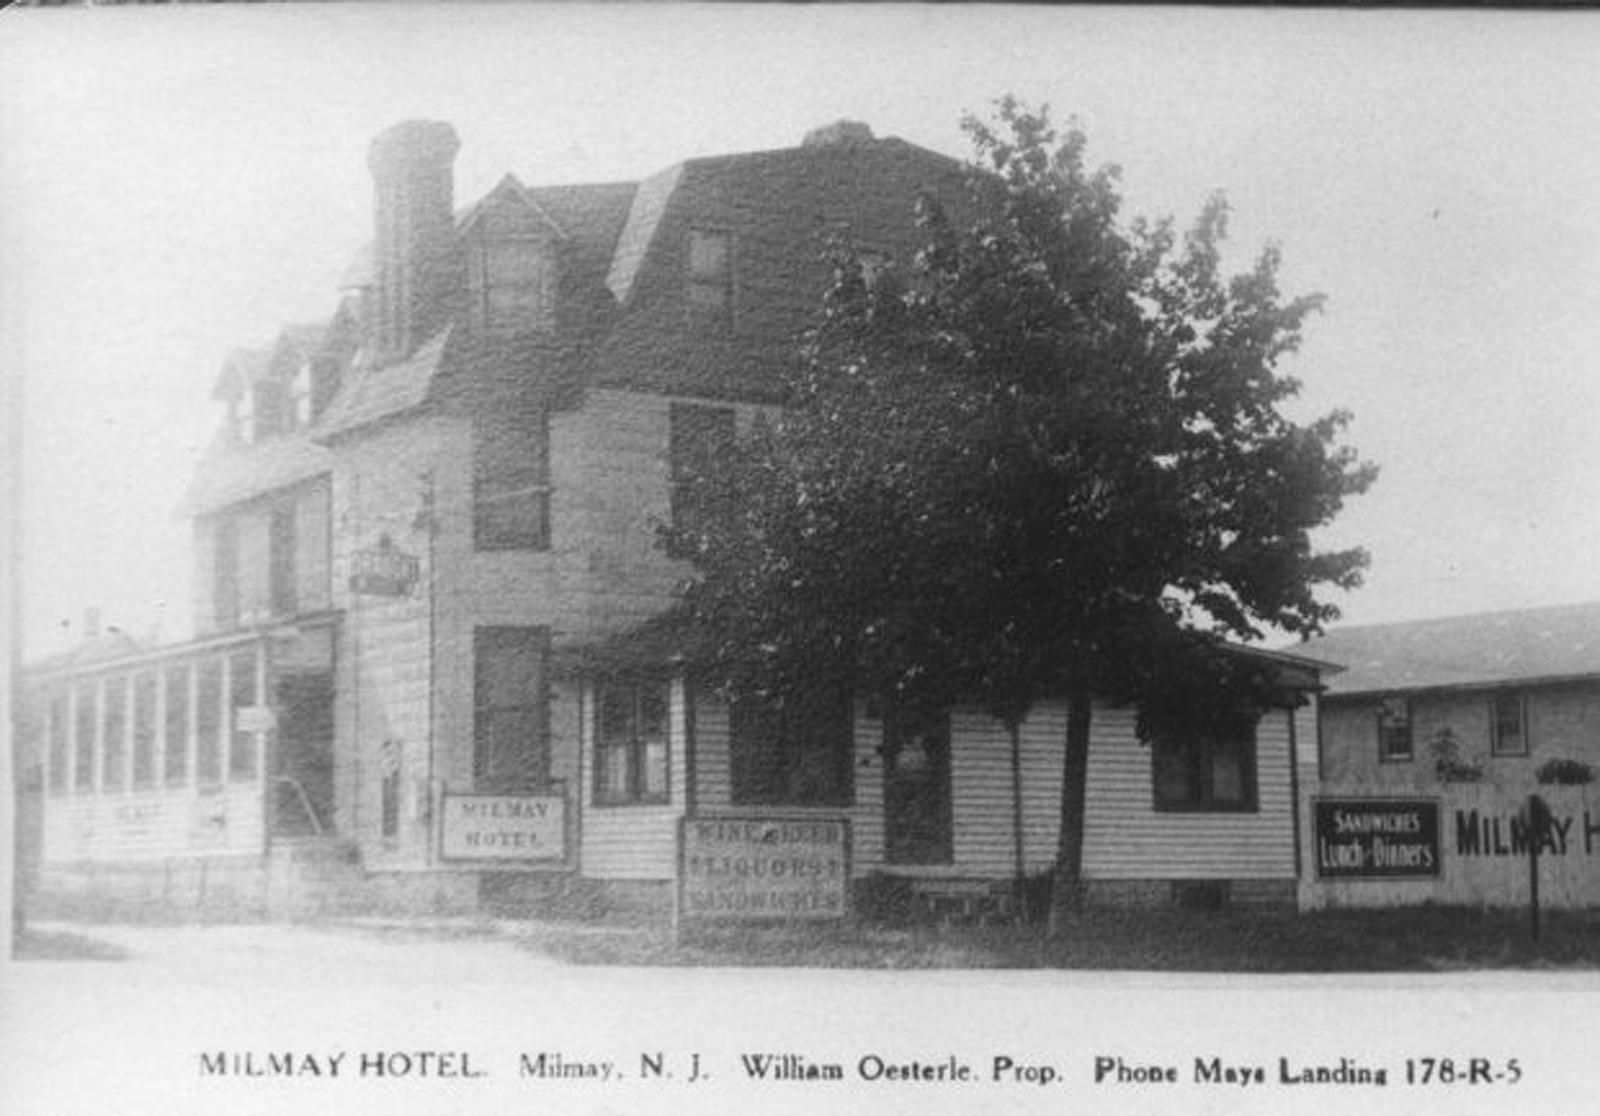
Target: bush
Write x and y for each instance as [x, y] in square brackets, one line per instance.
[884, 899]
[1448, 762]
[1565, 772]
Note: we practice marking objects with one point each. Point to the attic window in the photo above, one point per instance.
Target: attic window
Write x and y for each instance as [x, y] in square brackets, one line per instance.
[711, 275]
[300, 397]
[261, 411]
[513, 286]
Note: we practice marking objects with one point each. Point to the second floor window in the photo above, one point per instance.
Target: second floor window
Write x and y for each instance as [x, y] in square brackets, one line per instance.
[711, 276]
[225, 573]
[700, 444]
[271, 559]
[511, 481]
[1394, 730]
[1509, 724]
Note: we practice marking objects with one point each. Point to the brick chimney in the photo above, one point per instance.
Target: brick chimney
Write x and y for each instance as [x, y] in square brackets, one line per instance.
[414, 211]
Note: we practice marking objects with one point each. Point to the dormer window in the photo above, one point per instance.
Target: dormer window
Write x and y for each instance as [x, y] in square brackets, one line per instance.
[299, 409]
[513, 286]
[262, 410]
[711, 276]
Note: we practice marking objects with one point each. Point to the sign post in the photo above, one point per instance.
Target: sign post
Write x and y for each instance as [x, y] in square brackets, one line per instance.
[1538, 825]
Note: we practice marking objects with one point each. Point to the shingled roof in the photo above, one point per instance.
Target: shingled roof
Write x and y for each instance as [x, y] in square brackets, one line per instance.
[372, 394]
[229, 472]
[1480, 650]
[624, 319]
[783, 207]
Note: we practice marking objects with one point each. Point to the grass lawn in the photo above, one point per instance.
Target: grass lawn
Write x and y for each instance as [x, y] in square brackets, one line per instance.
[1416, 939]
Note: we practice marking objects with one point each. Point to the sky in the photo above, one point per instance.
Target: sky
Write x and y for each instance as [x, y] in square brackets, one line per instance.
[177, 183]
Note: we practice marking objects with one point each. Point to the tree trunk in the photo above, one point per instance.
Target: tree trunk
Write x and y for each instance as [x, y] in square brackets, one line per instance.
[1067, 890]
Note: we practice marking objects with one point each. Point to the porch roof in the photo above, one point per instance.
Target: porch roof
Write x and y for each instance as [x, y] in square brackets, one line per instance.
[674, 638]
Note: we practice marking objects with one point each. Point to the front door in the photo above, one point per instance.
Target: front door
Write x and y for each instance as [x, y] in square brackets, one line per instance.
[302, 786]
[916, 788]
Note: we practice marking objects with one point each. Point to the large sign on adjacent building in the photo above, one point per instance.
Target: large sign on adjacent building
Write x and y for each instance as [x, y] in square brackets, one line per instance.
[521, 827]
[1376, 838]
[760, 867]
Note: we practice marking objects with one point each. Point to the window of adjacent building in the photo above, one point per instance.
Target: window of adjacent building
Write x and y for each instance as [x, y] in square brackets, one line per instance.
[59, 756]
[175, 762]
[144, 729]
[711, 275]
[511, 481]
[208, 721]
[513, 285]
[1510, 725]
[511, 724]
[84, 725]
[243, 694]
[700, 445]
[631, 745]
[793, 752]
[1394, 729]
[225, 573]
[1200, 772]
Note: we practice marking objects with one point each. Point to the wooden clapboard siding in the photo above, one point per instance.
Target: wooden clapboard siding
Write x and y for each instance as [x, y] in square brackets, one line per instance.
[155, 824]
[982, 790]
[713, 779]
[385, 642]
[634, 842]
[1126, 838]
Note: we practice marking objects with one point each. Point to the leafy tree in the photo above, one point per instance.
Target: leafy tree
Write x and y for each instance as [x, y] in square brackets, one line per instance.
[1048, 457]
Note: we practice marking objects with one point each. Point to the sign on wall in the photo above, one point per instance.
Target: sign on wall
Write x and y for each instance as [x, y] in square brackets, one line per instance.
[759, 867]
[1376, 838]
[384, 571]
[503, 827]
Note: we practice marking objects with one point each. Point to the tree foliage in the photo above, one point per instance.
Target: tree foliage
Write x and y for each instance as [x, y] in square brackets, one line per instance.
[1046, 456]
